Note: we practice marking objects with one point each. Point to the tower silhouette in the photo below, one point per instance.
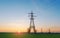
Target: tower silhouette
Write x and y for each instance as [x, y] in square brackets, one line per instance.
[32, 25]
[49, 31]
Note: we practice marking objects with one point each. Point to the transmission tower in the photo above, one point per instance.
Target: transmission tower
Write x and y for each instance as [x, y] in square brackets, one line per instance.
[32, 25]
[49, 30]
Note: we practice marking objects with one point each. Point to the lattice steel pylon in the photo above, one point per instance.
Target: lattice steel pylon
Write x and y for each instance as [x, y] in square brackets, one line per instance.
[32, 25]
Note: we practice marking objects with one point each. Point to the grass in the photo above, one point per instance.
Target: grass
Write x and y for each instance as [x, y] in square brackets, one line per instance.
[14, 35]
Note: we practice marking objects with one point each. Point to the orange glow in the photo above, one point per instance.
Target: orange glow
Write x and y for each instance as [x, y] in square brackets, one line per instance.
[19, 30]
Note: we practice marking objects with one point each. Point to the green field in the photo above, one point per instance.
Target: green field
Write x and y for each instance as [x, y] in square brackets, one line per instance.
[13, 35]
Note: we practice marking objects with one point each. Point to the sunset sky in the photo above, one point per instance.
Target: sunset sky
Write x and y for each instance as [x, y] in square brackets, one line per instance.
[14, 15]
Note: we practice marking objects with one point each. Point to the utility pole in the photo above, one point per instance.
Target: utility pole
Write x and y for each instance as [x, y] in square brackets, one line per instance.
[32, 25]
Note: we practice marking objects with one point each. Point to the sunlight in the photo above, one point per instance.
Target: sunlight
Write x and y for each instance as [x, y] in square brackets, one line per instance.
[18, 32]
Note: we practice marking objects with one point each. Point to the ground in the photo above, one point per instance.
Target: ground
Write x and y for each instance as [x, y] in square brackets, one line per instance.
[18, 35]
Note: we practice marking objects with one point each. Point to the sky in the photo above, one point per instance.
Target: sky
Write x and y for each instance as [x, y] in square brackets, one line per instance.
[14, 15]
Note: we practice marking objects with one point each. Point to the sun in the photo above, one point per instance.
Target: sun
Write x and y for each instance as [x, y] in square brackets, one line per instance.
[18, 32]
